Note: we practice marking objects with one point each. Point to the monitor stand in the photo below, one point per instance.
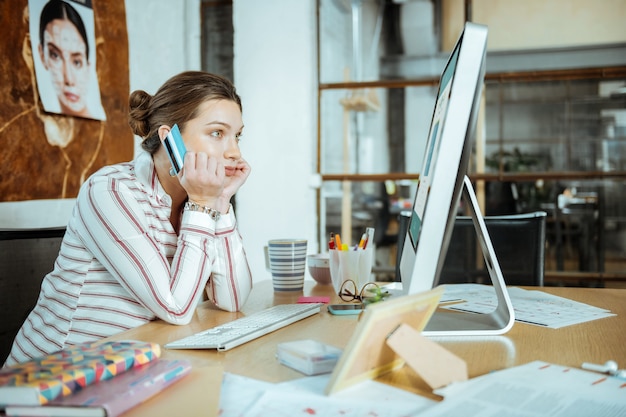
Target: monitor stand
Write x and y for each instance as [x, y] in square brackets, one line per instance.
[499, 321]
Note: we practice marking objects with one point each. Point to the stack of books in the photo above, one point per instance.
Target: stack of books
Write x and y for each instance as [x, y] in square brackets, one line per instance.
[103, 378]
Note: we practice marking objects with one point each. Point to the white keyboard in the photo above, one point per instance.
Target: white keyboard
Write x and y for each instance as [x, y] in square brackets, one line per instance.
[228, 335]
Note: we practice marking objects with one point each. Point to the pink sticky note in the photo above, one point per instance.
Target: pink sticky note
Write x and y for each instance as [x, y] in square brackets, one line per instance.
[320, 299]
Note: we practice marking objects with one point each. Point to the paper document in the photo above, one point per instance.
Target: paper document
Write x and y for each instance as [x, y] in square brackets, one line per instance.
[534, 390]
[531, 306]
[245, 397]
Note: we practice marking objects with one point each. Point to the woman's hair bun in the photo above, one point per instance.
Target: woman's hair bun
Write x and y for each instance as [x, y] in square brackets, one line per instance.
[139, 113]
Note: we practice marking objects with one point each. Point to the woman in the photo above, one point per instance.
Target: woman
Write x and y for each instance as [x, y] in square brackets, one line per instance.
[64, 52]
[142, 244]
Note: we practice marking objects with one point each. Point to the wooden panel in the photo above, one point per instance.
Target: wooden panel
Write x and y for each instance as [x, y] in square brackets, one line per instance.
[533, 24]
[545, 24]
[30, 166]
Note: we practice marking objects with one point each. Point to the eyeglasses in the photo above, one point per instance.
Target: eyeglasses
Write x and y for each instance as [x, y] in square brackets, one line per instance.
[369, 293]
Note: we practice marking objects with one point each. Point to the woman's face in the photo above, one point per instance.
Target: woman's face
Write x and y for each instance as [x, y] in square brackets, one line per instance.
[63, 53]
[216, 131]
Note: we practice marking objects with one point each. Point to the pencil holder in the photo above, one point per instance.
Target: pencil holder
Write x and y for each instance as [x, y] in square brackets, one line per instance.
[351, 264]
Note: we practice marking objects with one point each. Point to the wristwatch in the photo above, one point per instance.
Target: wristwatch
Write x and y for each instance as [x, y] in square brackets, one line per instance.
[214, 214]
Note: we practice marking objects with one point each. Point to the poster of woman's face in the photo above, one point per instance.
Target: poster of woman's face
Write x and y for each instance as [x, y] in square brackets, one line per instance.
[63, 43]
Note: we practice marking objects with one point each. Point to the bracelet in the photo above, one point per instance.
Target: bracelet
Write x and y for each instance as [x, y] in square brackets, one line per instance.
[214, 214]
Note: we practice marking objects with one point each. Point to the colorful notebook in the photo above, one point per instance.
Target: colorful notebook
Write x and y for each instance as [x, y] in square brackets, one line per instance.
[67, 371]
[112, 397]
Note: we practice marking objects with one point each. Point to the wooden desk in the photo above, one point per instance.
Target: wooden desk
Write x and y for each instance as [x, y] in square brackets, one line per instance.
[596, 341]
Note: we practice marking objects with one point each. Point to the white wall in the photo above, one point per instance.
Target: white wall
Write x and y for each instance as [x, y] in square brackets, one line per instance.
[275, 74]
[158, 49]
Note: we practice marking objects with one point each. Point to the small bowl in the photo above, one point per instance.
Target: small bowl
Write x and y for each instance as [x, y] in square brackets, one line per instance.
[319, 268]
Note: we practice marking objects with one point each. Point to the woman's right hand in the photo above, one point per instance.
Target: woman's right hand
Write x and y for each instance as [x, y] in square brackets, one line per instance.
[204, 179]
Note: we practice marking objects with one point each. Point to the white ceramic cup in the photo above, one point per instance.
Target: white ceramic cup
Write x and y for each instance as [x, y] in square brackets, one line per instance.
[286, 260]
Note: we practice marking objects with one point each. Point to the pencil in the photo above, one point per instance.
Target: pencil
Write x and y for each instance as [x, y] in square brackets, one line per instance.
[338, 241]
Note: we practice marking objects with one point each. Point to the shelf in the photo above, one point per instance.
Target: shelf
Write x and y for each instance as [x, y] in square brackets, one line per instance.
[524, 63]
[494, 176]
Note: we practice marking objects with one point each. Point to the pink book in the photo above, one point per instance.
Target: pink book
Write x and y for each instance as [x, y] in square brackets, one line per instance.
[112, 397]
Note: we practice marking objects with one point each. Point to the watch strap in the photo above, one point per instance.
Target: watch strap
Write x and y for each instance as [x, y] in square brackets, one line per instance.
[214, 214]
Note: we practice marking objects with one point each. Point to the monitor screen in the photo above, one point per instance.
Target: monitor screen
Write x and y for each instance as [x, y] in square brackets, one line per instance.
[445, 164]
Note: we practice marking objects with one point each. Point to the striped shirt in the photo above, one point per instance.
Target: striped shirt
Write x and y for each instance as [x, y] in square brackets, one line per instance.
[121, 264]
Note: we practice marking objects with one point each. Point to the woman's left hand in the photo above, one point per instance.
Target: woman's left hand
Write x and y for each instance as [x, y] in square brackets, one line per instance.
[235, 177]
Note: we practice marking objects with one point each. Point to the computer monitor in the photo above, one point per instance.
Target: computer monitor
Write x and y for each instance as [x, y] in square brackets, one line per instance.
[442, 181]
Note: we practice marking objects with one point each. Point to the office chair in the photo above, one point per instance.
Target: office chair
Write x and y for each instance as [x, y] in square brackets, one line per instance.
[519, 243]
[26, 256]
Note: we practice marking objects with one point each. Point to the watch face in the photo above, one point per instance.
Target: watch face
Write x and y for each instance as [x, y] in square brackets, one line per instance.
[215, 215]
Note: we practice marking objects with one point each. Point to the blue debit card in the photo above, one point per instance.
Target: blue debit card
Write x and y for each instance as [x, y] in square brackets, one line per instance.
[175, 148]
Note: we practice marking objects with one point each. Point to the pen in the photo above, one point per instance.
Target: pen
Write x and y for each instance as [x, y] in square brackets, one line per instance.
[171, 375]
[369, 235]
[362, 242]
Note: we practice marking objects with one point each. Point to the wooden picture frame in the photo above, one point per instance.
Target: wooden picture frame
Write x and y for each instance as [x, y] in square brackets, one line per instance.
[367, 354]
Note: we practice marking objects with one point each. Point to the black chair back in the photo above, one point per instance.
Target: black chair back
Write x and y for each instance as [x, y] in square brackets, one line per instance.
[519, 243]
[26, 257]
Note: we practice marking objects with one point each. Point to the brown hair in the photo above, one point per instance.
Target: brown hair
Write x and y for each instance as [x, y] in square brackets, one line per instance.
[176, 102]
[56, 9]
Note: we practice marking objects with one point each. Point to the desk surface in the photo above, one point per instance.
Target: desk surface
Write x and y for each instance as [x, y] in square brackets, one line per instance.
[596, 341]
